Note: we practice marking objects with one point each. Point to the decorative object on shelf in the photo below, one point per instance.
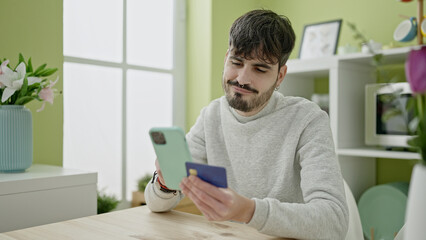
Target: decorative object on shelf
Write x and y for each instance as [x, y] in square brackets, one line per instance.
[390, 45]
[18, 86]
[320, 39]
[419, 20]
[375, 46]
[423, 26]
[406, 30]
[416, 210]
[382, 210]
[387, 115]
[377, 57]
[346, 49]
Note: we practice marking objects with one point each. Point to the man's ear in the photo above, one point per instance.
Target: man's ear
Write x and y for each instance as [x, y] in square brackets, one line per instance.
[281, 74]
[226, 55]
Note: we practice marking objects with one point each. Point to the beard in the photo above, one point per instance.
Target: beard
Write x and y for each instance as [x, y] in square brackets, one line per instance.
[256, 99]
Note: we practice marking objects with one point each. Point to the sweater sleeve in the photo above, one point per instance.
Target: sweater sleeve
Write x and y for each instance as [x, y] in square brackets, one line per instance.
[324, 212]
[196, 140]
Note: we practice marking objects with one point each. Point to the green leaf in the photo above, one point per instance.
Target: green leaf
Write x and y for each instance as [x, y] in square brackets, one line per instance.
[33, 87]
[377, 58]
[29, 66]
[414, 142]
[390, 114]
[24, 100]
[358, 36]
[29, 100]
[21, 58]
[39, 69]
[24, 87]
[387, 98]
[395, 79]
[411, 104]
[351, 25]
[48, 72]
[412, 125]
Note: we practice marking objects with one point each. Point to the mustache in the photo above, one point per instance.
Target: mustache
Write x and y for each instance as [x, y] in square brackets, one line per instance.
[244, 86]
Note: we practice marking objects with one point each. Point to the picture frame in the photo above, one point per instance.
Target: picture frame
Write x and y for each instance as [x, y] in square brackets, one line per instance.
[320, 39]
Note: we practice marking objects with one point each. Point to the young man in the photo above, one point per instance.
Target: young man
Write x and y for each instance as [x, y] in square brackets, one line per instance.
[283, 176]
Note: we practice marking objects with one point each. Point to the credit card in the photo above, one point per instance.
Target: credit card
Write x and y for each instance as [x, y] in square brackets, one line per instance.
[212, 174]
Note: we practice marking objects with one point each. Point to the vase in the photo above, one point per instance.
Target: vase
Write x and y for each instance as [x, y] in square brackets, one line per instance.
[415, 217]
[16, 138]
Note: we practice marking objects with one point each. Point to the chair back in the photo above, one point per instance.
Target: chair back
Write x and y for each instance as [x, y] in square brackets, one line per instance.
[355, 228]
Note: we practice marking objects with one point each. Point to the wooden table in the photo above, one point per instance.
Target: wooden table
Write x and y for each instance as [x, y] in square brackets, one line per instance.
[137, 224]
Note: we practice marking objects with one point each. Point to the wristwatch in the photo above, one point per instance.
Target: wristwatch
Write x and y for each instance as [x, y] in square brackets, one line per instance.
[163, 187]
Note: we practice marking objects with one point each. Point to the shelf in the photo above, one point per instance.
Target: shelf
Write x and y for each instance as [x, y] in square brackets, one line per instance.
[390, 56]
[319, 67]
[316, 67]
[44, 177]
[377, 153]
[347, 77]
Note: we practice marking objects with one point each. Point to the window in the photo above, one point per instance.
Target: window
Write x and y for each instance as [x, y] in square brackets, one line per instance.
[123, 74]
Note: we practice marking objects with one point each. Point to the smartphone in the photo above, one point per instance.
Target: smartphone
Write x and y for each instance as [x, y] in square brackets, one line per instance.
[172, 152]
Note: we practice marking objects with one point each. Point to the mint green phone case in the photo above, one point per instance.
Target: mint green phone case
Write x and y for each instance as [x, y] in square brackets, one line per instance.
[172, 153]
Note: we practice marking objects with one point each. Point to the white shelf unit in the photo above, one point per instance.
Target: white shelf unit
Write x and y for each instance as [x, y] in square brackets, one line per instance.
[347, 75]
[45, 194]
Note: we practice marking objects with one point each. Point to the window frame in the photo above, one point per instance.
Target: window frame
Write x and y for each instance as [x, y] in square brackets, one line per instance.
[177, 72]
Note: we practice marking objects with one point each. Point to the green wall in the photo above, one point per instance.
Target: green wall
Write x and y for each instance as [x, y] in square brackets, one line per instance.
[209, 22]
[375, 19]
[198, 57]
[34, 28]
[207, 41]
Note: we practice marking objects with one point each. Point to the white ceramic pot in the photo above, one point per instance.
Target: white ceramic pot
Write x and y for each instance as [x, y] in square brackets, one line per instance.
[415, 217]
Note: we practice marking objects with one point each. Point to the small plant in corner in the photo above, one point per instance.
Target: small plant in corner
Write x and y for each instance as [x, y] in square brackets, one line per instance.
[106, 203]
[143, 181]
[138, 197]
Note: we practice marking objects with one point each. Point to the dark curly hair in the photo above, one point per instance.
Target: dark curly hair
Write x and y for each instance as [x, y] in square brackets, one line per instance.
[262, 34]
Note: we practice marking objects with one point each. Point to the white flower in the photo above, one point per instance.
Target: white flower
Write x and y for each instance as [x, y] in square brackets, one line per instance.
[3, 64]
[13, 80]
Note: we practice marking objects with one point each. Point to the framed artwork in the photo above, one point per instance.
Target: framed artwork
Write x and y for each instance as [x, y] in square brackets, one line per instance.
[320, 39]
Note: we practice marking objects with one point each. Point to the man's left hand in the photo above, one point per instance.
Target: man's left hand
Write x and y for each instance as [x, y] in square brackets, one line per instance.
[217, 204]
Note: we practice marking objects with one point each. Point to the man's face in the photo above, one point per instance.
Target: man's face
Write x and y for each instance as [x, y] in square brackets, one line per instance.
[249, 83]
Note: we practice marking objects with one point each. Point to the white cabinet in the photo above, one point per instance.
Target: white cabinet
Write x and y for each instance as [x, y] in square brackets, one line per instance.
[45, 194]
[347, 76]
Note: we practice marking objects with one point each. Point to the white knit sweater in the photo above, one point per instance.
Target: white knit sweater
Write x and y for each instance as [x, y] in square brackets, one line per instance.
[283, 157]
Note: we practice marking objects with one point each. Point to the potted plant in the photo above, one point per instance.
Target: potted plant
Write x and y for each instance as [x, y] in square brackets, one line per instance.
[20, 85]
[106, 203]
[138, 197]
